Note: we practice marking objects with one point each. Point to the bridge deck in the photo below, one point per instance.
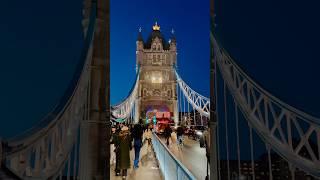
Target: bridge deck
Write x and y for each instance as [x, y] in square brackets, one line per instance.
[190, 155]
[148, 167]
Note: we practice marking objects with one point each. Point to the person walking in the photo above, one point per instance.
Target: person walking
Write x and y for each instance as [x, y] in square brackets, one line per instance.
[180, 136]
[148, 136]
[137, 134]
[116, 142]
[124, 146]
[112, 146]
[167, 133]
[207, 139]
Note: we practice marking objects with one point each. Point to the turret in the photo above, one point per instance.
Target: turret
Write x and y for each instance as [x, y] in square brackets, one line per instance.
[140, 40]
[173, 42]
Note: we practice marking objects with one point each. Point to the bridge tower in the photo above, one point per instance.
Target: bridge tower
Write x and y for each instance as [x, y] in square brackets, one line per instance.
[156, 59]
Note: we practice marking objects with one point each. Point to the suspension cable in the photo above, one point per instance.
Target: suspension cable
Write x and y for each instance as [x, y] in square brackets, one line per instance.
[226, 126]
[251, 150]
[68, 168]
[217, 124]
[180, 112]
[194, 116]
[184, 107]
[269, 161]
[218, 151]
[188, 113]
[75, 157]
[238, 137]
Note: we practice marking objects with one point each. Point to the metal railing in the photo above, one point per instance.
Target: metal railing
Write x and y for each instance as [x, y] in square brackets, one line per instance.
[170, 167]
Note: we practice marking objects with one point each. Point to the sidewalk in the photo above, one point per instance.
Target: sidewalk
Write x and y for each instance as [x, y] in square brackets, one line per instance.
[148, 167]
[190, 155]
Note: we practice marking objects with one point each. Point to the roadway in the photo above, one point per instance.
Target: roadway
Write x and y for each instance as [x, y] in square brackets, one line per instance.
[190, 155]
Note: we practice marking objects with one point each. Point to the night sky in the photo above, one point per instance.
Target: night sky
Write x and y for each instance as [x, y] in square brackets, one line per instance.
[275, 42]
[40, 44]
[190, 22]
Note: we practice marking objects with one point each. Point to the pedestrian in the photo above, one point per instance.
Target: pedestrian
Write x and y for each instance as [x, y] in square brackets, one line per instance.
[167, 133]
[149, 136]
[137, 134]
[117, 148]
[124, 147]
[179, 135]
[112, 146]
[207, 140]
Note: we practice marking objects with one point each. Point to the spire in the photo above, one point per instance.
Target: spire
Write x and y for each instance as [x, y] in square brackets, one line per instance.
[140, 38]
[156, 27]
[173, 37]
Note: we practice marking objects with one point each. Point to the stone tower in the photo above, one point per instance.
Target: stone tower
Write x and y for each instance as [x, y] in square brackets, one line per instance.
[156, 59]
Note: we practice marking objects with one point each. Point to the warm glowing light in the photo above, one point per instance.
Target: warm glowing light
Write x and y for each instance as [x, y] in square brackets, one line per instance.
[156, 27]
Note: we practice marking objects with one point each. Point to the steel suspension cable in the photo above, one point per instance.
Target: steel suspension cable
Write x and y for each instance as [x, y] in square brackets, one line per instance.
[251, 151]
[218, 151]
[269, 161]
[75, 157]
[180, 106]
[194, 116]
[238, 137]
[188, 112]
[217, 122]
[184, 107]
[226, 126]
[68, 169]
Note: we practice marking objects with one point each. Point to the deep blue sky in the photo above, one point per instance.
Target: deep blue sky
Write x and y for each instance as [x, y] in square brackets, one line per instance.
[277, 44]
[41, 43]
[40, 47]
[191, 24]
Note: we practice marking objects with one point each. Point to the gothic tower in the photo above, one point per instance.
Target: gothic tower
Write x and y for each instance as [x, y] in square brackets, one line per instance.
[156, 59]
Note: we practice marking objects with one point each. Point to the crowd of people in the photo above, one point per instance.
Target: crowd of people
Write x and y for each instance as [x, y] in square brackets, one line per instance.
[125, 138]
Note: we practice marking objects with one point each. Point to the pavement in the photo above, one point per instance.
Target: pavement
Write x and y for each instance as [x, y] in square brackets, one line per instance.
[148, 166]
[190, 155]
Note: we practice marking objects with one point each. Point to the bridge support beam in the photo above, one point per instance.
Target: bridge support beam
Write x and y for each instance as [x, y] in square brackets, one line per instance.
[137, 110]
[95, 129]
[175, 112]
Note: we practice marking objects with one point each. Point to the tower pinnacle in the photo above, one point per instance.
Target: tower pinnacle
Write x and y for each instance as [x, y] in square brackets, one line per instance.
[156, 27]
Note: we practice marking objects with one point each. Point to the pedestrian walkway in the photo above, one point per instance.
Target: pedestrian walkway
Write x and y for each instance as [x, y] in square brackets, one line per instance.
[148, 166]
[190, 155]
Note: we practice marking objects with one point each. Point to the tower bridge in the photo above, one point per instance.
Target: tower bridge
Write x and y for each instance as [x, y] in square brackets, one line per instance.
[72, 141]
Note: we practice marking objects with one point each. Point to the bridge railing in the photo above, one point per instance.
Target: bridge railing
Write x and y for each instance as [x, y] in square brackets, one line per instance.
[44, 151]
[170, 166]
[291, 133]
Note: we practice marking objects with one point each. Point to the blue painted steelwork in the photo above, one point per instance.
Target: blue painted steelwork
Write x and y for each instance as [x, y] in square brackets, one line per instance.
[170, 167]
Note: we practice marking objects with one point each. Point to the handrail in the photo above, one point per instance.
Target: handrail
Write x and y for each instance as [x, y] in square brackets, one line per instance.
[179, 166]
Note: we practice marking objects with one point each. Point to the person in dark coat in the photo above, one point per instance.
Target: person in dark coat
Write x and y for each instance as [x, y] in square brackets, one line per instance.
[137, 134]
[179, 135]
[124, 146]
[167, 133]
[115, 141]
